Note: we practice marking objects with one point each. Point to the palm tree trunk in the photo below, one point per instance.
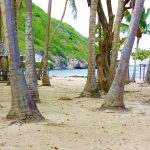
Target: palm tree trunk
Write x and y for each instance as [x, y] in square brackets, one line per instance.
[127, 81]
[136, 55]
[116, 93]
[51, 38]
[0, 26]
[147, 79]
[45, 79]
[22, 107]
[39, 74]
[30, 55]
[115, 43]
[91, 88]
[14, 3]
[57, 27]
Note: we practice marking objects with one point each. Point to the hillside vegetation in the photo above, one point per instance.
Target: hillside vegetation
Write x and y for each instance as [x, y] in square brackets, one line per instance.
[66, 43]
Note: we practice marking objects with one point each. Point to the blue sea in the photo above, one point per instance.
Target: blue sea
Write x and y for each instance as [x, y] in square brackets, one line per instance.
[83, 72]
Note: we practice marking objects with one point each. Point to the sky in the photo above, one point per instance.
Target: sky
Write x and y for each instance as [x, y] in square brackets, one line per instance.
[81, 24]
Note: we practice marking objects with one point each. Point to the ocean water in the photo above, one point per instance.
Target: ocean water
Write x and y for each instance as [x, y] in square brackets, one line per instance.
[83, 72]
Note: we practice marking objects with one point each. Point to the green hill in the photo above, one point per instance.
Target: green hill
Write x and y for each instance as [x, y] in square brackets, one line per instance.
[66, 43]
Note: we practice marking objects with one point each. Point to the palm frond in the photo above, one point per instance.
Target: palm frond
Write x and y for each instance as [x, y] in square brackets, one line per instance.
[124, 27]
[127, 16]
[72, 4]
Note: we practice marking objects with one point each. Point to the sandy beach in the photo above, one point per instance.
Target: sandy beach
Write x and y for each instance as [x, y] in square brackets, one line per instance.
[77, 123]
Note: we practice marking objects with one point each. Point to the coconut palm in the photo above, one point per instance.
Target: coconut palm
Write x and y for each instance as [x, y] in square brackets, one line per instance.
[45, 79]
[22, 107]
[91, 88]
[30, 55]
[143, 28]
[115, 42]
[116, 93]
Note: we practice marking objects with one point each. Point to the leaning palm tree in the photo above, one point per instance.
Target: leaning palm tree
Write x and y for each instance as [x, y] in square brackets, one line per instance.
[22, 107]
[116, 93]
[91, 87]
[30, 55]
[143, 28]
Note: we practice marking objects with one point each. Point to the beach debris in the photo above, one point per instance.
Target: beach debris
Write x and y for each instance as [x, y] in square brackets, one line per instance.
[29, 145]
[66, 98]
[54, 147]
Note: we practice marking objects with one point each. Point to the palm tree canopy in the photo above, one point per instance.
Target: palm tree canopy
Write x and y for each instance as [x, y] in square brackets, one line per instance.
[73, 7]
[143, 25]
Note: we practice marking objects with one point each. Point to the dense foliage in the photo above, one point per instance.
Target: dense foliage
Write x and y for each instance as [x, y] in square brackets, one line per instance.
[66, 42]
[142, 54]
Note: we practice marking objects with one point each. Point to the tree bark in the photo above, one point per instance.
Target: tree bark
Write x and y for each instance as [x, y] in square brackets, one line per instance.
[147, 79]
[105, 71]
[45, 79]
[30, 55]
[91, 88]
[105, 45]
[115, 42]
[22, 106]
[116, 93]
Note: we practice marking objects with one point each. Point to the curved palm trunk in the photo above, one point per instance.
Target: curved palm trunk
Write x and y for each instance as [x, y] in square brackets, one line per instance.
[91, 88]
[45, 79]
[147, 79]
[51, 38]
[115, 95]
[22, 107]
[57, 27]
[115, 43]
[30, 55]
[136, 55]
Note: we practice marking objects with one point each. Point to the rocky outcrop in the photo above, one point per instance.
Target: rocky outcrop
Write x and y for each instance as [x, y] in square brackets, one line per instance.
[63, 63]
[69, 63]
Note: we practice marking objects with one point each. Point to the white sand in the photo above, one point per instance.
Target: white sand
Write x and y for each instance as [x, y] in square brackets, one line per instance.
[77, 124]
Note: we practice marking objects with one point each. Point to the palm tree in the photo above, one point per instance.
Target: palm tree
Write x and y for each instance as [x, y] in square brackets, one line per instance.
[91, 88]
[16, 5]
[143, 28]
[45, 79]
[115, 95]
[51, 38]
[30, 55]
[115, 43]
[22, 107]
